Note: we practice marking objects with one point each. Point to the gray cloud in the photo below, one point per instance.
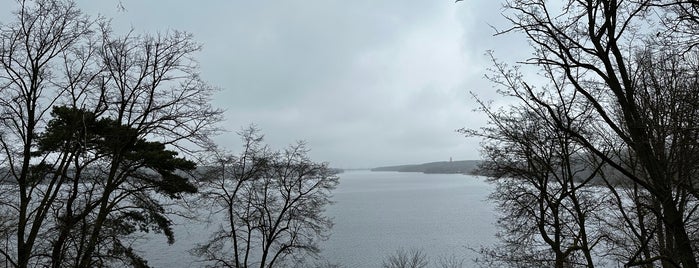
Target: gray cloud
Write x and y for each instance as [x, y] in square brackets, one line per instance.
[365, 83]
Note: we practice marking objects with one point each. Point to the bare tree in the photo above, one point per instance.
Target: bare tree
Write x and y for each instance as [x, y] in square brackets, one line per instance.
[402, 258]
[31, 48]
[416, 258]
[588, 51]
[271, 206]
[541, 176]
[450, 262]
[91, 128]
[151, 89]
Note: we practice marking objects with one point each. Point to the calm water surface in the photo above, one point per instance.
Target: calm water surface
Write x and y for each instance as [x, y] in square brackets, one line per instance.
[378, 212]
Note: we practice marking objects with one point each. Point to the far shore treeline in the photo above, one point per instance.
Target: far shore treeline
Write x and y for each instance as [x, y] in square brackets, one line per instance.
[444, 167]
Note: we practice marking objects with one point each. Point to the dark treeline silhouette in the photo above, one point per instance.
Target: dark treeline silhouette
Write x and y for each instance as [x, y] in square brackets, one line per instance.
[619, 104]
[101, 135]
[444, 167]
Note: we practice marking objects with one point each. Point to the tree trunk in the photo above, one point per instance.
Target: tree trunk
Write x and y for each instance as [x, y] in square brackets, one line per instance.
[675, 228]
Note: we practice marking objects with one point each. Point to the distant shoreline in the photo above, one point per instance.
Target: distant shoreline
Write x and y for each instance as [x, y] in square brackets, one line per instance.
[443, 167]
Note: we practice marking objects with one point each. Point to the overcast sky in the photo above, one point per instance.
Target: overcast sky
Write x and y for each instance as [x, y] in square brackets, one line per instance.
[366, 83]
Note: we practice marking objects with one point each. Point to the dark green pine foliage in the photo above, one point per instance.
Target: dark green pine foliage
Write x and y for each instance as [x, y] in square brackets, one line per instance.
[165, 162]
[147, 163]
[73, 129]
[70, 129]
[77, 129]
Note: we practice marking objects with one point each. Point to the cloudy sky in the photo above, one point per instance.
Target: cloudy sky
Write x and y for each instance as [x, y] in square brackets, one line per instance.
[365, 83]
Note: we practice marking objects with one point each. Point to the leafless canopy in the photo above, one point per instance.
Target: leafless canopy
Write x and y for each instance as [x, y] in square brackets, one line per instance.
[621, 88]
[91, 126]
[271, 206]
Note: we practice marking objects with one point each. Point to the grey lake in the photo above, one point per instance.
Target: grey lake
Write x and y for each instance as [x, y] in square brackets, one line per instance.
[375, 214]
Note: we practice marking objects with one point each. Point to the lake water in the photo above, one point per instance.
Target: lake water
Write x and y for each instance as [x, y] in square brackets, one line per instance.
[377, 213]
